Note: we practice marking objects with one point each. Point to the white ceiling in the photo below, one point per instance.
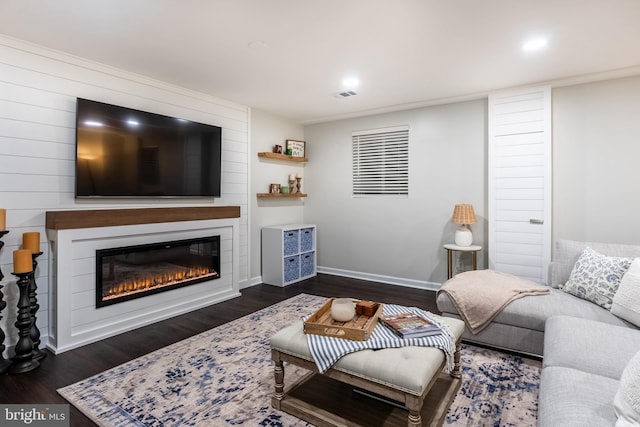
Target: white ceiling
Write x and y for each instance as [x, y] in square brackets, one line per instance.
[289, 57]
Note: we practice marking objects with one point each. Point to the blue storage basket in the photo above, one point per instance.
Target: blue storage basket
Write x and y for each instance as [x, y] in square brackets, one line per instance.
[290, 241]
[306, 239]
[292, 268]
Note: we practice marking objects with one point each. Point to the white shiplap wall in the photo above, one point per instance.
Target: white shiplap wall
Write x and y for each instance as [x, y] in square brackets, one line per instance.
[38, 91]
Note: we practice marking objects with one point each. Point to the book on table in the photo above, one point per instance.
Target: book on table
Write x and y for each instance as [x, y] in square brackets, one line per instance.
[409, 325]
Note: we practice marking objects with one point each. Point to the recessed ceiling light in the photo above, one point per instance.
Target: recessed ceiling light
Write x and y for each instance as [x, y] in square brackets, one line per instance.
[533, 45]
[350, 83]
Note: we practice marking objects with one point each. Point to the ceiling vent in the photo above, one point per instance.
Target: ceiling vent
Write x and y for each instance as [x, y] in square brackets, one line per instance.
[345, 94]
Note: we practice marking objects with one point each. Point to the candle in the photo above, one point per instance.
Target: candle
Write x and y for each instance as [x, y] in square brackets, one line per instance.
[31, 241]
[298, 175]
[292, 176]
[22, 261]
[3, 219]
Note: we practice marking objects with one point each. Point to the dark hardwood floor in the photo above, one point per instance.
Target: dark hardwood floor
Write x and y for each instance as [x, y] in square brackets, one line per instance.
[39, 386]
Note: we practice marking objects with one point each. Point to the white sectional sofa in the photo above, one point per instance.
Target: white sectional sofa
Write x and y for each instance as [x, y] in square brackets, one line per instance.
[585, 347]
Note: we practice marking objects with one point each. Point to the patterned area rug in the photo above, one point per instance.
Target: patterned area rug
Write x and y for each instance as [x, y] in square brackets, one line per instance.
[224, 377]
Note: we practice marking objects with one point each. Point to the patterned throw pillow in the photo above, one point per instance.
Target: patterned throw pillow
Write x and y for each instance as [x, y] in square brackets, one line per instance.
[595, 277]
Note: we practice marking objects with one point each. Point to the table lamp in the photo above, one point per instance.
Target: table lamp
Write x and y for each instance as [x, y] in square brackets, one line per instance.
[463, 215]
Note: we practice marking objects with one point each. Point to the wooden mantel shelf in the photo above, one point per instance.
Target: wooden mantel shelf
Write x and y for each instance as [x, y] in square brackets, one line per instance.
[90, 218]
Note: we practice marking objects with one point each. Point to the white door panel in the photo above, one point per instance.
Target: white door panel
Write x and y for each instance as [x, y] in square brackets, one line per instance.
[520, 205]
[517, 227]
[520, 161]
[521, 118]
[529, 273]
[521, 172]
[517, 183]
[529, 149]
[519, 214]
[519, 249]
[515, 140]
[533, 102]
[525, 260]
[519, 238]
[520, 193]
[519, 128]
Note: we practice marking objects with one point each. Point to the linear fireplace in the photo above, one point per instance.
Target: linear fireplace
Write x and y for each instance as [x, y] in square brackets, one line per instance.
[131, 272]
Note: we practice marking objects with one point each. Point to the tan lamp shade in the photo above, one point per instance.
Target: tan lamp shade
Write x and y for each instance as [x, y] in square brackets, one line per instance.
[463, 214]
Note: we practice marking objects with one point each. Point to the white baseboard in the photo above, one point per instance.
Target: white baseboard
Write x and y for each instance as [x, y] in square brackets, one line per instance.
[400, 281]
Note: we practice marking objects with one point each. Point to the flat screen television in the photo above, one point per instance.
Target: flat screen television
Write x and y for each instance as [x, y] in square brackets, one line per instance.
[124, 153]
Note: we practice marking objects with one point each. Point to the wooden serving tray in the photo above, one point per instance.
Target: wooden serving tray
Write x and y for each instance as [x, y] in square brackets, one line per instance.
[359, 328]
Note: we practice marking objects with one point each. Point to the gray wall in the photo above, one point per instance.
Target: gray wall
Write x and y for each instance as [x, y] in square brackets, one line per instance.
[398, 240]
[596, 158]
[596, 147]
[268, 130]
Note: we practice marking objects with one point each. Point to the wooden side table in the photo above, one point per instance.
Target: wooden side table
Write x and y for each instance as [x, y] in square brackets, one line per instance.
[450, 247]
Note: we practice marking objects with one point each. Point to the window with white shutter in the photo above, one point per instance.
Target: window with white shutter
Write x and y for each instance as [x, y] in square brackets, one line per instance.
[381, 162]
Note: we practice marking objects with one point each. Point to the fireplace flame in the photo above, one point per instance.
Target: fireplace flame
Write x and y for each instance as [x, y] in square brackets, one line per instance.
[133, 286]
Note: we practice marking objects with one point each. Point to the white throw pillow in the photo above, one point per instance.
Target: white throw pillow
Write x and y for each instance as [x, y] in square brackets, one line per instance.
[627, 400]
[626, 301]
[634, 268]
[596, 277]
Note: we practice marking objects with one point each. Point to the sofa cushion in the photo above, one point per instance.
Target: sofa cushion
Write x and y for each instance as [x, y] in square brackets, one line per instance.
[626, 301]
[627, 400]
[572, 398]
[532, 311]
[596, 277]
[507, 337]
[587, 345]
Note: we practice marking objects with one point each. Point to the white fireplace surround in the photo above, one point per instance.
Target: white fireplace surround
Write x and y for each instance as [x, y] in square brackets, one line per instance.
[74, 319]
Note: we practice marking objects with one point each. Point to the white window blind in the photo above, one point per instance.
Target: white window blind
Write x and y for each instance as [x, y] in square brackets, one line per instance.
[381, 161]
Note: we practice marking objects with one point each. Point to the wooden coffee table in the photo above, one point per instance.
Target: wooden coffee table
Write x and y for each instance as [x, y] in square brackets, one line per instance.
[412, 377]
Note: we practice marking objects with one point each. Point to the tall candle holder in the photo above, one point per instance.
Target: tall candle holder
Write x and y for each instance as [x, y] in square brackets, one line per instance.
[4, 363]
[34, 333]
[23, 361]
[292, 186]
[299, 184]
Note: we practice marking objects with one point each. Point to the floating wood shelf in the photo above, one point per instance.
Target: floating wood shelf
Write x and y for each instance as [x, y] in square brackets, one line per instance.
[274, 195]
[279, 156]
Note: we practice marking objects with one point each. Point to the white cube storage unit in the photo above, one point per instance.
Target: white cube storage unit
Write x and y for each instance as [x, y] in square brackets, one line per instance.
[288, 253]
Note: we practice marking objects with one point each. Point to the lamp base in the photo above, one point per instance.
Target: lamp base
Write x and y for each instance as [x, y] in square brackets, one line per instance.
[463, 237]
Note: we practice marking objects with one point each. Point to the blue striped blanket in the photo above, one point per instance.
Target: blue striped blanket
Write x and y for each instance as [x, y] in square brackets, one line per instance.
[328, 350]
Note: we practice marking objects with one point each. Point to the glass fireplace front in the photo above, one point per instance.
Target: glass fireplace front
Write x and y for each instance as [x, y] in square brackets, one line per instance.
[131, 272]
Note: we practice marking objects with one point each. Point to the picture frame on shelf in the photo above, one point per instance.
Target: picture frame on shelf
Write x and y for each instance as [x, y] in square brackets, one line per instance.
[298, 148]
[274, 188]
[277, 149]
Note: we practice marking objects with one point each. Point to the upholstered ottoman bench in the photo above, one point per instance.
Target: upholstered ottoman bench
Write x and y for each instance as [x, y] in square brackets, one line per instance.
[405, 375]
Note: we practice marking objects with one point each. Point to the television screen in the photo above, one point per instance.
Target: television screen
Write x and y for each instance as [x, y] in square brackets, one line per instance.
[121, 152]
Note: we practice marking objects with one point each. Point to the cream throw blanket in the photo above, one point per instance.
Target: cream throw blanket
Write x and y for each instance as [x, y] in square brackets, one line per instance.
[479, 296]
